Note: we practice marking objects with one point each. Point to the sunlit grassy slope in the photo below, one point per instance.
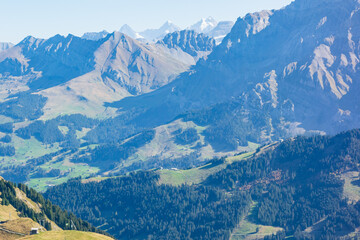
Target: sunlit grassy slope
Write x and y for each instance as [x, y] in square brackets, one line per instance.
[68, 235]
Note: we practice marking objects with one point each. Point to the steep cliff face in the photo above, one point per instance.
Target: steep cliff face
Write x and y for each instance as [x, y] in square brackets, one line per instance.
[195, 44]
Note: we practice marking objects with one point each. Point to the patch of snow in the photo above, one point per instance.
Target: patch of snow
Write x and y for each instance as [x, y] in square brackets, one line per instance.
[330, 40]
[344, 62]
[354, 60]
[322, 22]
[258, 21]
[290, 69]
[204, 25]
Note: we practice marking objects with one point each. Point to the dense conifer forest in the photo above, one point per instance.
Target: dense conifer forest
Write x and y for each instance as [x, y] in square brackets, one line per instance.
[296, 185]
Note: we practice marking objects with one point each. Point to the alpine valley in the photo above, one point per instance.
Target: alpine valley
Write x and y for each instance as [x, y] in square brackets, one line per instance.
[244, 130]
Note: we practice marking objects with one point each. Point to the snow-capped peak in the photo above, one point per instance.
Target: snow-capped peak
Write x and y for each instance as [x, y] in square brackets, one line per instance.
[169, 27]
[153, 35]
[205, 25]
[126, 29]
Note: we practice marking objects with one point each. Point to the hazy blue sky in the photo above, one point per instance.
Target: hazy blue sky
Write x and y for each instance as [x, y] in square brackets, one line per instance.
[45, 18]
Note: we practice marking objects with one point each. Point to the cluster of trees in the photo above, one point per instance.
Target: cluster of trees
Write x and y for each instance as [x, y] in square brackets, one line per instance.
[189, 136]
[115, 130]
[17, 173]
[234, 123]
[108, 155]
[24, 106]
[6, 139]
[135, 207]
[48, 132]
[7, 150]
[6, 127]
[45, 158]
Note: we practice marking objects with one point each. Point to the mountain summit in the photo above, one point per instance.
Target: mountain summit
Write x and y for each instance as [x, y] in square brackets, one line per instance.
[126, 29]
[153, 35]
[205, 25]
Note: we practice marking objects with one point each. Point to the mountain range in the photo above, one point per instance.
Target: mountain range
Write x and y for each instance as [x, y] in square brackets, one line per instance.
[269, 62]
[209, 26]
[115, 104]
[246, 130]
[95, 71]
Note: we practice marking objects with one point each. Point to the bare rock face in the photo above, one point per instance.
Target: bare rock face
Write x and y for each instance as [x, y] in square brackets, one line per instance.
[190, 42]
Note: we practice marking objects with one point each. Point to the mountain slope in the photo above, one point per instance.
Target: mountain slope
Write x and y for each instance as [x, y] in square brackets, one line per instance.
[69, 235]
[23, 208]
[126, 29]
[298, 64]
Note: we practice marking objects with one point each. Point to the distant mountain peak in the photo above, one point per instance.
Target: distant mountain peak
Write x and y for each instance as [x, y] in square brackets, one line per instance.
[126, 29]
[169, 26]
[221, 30]
[153, 35]
[205, 25]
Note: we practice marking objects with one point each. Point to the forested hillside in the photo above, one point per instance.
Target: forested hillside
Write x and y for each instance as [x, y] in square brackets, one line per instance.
[299, 185]
[136, 207]
[22, 208]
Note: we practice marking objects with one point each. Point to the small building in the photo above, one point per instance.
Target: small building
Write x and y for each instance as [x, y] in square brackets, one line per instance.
[34, 231]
